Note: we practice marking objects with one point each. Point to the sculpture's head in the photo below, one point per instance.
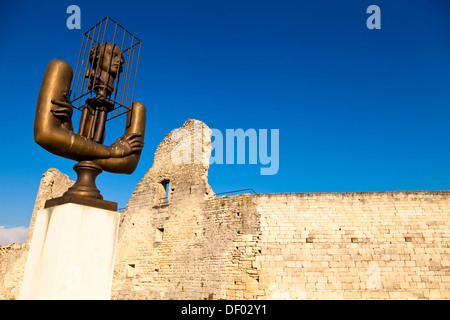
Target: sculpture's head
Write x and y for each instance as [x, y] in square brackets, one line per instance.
[106, 61]
[104, 54]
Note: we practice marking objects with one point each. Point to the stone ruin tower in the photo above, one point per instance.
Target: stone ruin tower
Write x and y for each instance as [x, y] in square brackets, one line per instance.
[167, 232]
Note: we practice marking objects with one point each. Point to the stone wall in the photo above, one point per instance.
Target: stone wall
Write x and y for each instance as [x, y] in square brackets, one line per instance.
[384, 245]
[53, 184]
[177, 240]
[153, 234]
[380, 245]
[12, 265]
[375, 245]
[191, 251]
[13, 257]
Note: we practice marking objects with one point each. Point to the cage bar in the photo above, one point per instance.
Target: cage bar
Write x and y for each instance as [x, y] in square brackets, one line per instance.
[88, 78]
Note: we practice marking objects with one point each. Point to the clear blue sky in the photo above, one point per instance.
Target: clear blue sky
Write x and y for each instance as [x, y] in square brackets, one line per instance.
[357, 109]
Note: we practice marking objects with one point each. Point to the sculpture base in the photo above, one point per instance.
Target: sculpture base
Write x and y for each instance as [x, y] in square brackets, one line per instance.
[87, 172]
[71, 254]
[84, 191]
[85, 201]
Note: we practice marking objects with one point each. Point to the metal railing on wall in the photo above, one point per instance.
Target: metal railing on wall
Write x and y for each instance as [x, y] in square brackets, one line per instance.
[232, 193]
[163, 201]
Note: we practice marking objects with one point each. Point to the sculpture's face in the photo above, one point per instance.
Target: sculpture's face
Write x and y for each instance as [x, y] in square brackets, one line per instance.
[114, 54]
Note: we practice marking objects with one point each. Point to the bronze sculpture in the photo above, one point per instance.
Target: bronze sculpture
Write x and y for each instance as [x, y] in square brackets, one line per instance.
[53, 129]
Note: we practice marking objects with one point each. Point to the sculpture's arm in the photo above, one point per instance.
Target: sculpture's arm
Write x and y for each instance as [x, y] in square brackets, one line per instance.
[135, 124]
[53, 126]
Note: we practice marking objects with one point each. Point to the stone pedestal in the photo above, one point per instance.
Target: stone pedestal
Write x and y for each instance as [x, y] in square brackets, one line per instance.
[71, 254]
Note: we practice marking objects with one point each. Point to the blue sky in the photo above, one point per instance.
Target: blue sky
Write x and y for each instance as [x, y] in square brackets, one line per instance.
[357, 109]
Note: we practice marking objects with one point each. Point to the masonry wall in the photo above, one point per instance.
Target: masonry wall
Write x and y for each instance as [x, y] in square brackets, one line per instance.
[13, 257]
[161, 249]
[198, 256]
[376, 245]
[385, 245]
[372, 245]
[380, 245]
[12, 264]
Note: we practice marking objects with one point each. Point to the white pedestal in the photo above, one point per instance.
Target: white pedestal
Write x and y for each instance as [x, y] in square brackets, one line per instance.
[71, 254]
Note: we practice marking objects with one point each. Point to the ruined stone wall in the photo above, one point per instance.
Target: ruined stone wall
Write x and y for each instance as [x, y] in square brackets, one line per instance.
[13, 257]
[12, 265]
[376, 245]
[153, 235]
[194, 245]
[53, 184]
[384, 245]
[201, 253]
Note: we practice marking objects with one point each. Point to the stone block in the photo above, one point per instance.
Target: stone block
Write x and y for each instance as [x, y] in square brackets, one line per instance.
[72, 254]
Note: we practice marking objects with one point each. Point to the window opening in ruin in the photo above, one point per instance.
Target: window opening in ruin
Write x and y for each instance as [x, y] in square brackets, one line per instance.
[159, 234]
[166, 191]
[163, 192]
[131, 270]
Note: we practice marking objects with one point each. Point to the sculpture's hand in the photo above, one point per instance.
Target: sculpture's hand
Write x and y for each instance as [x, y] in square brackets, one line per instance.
[126, 145]
[63, 109]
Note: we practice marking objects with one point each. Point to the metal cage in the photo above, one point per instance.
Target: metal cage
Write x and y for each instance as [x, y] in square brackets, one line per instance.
[88, 79]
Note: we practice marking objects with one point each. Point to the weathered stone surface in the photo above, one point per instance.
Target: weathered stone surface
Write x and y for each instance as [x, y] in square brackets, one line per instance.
[53, 185]
[368, 245]
[374, 245]
[12, 262]
[13, 257]
[71, 254]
